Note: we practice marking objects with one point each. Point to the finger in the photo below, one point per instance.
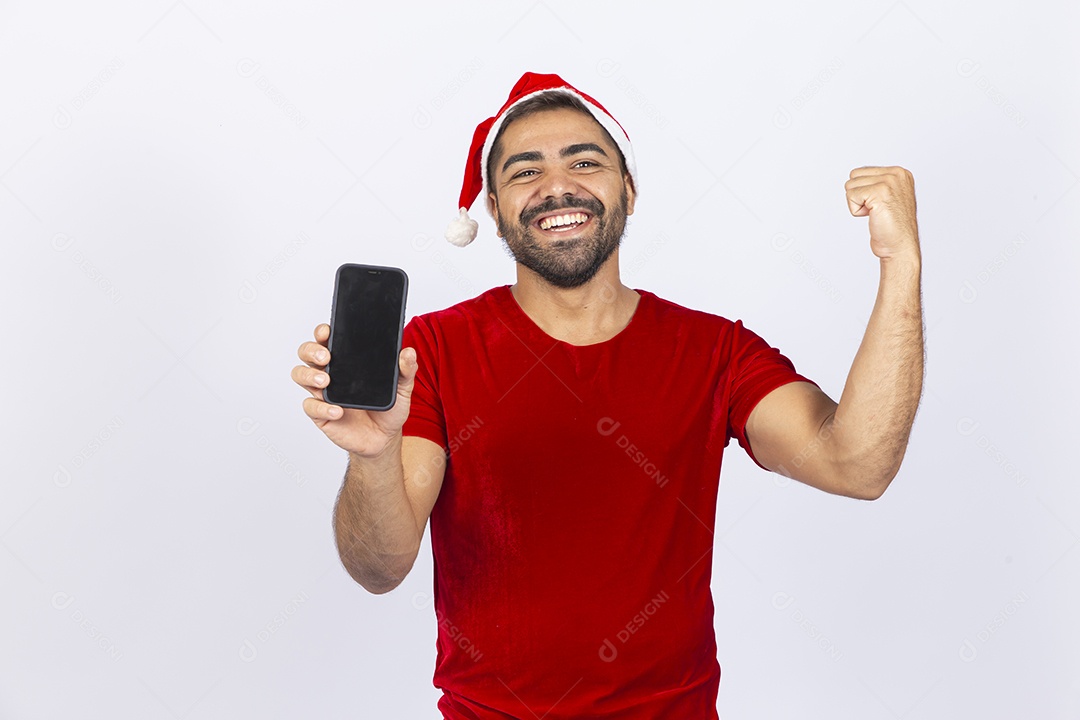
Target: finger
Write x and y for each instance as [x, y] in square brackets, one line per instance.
[862, 199]
[876, 170]
[857, 202]
[311, 379]
[407, 363]
[320, 411]
[866, 181]
[322, 332]
[857, 209]
[314, 354]
[865, 193]
[408, 366]
[872, 194]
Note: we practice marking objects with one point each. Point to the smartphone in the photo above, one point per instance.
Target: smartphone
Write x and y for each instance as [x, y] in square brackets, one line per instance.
[366, 321]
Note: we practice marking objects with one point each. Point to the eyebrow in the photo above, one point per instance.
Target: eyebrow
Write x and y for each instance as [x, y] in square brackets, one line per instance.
[536, 156]
[580, 148]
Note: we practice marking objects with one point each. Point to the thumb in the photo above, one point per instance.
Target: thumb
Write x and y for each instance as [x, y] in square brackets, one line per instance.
[408, 366]
[857, 206]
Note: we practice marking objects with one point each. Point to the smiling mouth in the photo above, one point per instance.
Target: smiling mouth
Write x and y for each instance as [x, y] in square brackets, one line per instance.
[564, 222]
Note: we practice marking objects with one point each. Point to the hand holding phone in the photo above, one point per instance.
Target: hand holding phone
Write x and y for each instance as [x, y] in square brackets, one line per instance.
[364, 432]
[360, 431]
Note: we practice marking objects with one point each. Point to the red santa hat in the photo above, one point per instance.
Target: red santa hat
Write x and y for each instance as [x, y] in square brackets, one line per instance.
[462, 229]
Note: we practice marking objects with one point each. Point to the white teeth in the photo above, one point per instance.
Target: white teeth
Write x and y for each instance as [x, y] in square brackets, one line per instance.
[559, 220]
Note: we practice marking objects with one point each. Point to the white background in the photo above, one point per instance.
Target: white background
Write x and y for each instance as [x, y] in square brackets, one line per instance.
[178, 183]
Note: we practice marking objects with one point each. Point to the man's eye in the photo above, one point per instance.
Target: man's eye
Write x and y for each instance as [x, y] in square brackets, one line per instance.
[523, 173]
[584, 162]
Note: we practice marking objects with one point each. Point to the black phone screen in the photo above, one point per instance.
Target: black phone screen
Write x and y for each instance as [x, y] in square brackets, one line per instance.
[366, 321]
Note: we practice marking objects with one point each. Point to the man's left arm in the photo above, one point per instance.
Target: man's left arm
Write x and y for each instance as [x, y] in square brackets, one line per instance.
[855, 448]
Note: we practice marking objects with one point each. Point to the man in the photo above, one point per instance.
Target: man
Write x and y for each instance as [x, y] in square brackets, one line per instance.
[565, 434]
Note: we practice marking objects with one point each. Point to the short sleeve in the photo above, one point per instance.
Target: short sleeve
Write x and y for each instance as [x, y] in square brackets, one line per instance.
[756, 370]
[426, 418]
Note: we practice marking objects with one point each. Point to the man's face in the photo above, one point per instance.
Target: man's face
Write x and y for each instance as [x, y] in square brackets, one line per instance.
[561, 198]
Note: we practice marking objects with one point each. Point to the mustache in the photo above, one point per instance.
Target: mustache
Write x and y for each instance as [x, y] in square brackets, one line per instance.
[589, 205]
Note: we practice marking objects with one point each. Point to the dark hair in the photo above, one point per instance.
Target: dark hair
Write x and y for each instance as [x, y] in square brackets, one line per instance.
[550, 100]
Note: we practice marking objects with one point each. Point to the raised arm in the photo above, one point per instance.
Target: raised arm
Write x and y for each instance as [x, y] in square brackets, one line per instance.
[855, 448]
[391, 483]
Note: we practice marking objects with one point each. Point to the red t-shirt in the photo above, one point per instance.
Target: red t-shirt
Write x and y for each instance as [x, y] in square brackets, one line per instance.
[573, 534]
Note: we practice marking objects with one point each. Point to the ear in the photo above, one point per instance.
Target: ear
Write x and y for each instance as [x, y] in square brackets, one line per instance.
[631, 193]
[493, 210]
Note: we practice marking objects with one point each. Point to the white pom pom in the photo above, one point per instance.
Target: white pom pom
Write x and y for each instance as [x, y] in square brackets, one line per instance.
[462, 230]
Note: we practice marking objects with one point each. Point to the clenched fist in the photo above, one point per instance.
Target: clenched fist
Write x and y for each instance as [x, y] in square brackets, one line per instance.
[887, 196]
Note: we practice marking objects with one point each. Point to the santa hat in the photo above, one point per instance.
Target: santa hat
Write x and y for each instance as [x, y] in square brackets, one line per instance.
[462, 229]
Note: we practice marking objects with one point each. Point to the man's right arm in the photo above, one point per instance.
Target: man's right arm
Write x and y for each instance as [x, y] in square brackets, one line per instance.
[383, 507]
[391, 482]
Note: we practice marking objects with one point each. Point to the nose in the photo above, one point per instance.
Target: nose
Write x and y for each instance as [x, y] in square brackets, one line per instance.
[557, 182]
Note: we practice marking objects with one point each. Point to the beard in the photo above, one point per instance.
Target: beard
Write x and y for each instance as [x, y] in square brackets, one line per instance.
[565, 263]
